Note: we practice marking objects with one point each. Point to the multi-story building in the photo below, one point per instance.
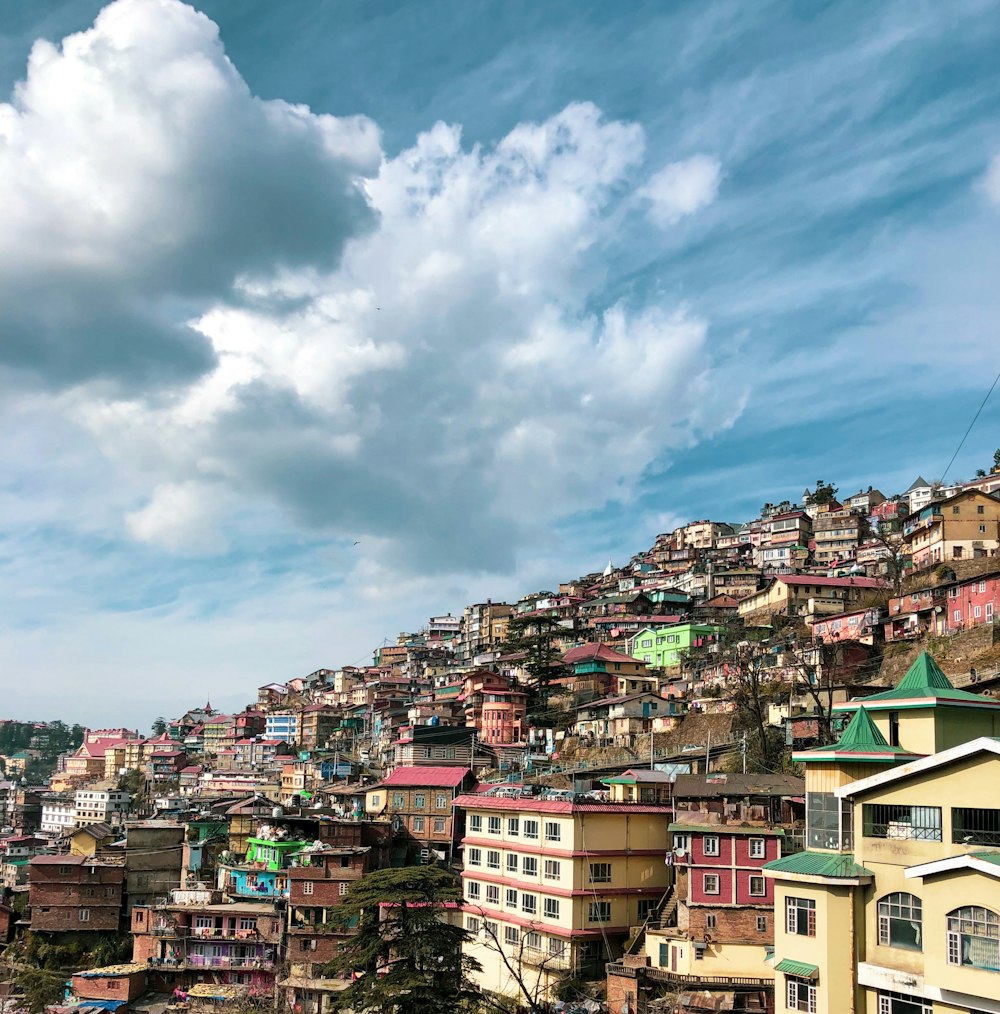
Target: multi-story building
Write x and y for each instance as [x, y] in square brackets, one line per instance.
[836, 535]
[101, 806]
[316, 725]
[58, 813]
[200, 937]
[74, 894]
[153, 860]
[894, 907]
[553, 886]
[808, 596]
[962, 527]
[282, 725]
[419, 801]
[664, 647]
[434, 746]
[494, 707]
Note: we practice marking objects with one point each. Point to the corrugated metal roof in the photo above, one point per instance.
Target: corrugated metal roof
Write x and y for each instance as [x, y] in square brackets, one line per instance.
[531, 805]
[435, 776]
[802, 969]
[819, 864]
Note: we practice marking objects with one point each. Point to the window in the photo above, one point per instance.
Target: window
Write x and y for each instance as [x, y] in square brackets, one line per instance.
[557, 947]
[533, 941]
[682, 842]
[493, 860]
[513, 824]
[757, 889]
[492, 894]
[439, 825]
[599, 911]
[974, 938]
[343, 887]
[980, 509]
[472, 890]
[553, 832]
[307, 887]
[418, 823]
[957, 616]
[83, 914]
[531, 829]
[710, 843]
[472, 925]
[899, 921]
[114, 984]
[758, 848]
[419, 801]
[711, 921]
[977, 612]
[600, 873]
[982, 587]
[529, 904]
[897, 822]
[800, 916]
[511, 897]
[710, 883]
[494, 825]
[955, 510]
[476, 822]
[441, 801]
[512, 862]
[828, 821]
[646, 907]
[982, 529]
[800, 994]
[398, 801]
[551, 869]
[989, 612]
[491, 928]
[511, 935]
[762, 924]
[529, 866]
[900, 1003]
[475, 857]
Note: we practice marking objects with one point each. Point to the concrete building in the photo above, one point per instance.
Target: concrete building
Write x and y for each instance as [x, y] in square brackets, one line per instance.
[961, 527]
[100, 806]
[74, 894]
[894, 907]
[153, 858]
[555, 885]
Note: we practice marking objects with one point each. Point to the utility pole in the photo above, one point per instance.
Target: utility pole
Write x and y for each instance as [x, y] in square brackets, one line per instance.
[708, 753]
[743, 751]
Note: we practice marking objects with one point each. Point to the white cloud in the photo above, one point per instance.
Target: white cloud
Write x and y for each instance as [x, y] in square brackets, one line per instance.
[991, 181]
[182, 517]
[682, 188]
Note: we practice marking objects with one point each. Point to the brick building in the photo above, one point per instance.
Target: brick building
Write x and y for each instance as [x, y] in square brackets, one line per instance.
[69, 893]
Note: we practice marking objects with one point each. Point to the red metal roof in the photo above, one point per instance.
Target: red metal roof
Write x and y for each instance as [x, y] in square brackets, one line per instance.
[474, 802]
[597, 651]
[837, 582]
[439, 777]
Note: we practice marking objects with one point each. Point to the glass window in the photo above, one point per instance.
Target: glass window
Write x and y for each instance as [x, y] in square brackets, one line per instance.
[529, 904]
[472, 890]
[512, 862]
[439, 825]
[758, 848]
[531, 829]
[974, 938]
[828, 821]
[800, 916]
[492, 894]
[711, 845]
[529, 866]
[511, 897]
[757, 887]
[599, 911]
[493, 860]
[511, 934]
[900, 1003]
[533, 941]
[600, 873]
[710, 883]
[512, 826]
[762, 924]
[475, 857]
[800, 994]
[441, 801]
[551, 869]
[476, 822]
[550, 908]
[494, 825]
[418, 823]
[899, 921]
[471, 924]
[553, 832]
[419, 800]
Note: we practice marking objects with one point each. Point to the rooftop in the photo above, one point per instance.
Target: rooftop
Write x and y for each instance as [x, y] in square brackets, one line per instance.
[861, 742]
[820, 864]
[438, 777]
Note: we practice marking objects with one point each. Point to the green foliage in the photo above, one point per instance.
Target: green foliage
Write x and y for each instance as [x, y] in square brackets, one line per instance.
[536, 637]
[822, 494]
[410, 956]
[159, 726]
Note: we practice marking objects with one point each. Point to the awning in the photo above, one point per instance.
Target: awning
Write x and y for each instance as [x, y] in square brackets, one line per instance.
[797, 968]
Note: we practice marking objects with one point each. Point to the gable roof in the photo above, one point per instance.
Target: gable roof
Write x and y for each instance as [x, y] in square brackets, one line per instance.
[432, 775]
[982, 862]
[923, 686]
[860, 741]
[918, 483]
[984, 744]
[597, 651]
[819, 864]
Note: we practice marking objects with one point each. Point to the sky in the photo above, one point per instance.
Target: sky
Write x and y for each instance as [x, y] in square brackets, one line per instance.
[318, 319]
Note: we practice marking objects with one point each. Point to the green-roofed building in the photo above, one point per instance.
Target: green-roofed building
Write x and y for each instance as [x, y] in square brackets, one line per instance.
[924, 713]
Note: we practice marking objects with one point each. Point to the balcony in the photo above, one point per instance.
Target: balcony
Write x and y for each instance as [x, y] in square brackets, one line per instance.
[229, 962]
[165, 930]
[538, 957]
[222, 933]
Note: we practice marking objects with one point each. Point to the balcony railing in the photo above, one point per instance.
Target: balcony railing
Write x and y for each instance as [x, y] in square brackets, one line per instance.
[204, 961]
[170, 931]
[224, 933]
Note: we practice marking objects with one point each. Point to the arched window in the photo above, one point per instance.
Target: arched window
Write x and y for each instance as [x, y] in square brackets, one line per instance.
[974, 938]
[900, 921]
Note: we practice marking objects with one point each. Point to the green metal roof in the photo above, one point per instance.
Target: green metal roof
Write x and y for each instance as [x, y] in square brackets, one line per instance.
[800, 968]
[924, 685]
[987, 857]
[860, 742]
[819, 864]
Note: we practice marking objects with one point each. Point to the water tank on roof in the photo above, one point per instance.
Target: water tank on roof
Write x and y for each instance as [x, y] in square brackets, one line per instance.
[277, 812]
[435, 720]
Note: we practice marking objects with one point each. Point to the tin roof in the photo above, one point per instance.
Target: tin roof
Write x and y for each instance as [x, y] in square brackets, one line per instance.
[819, 864]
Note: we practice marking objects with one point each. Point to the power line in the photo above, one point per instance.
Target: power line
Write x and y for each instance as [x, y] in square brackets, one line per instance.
[996, 379]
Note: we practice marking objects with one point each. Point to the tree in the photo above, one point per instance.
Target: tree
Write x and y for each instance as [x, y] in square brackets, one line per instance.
[409, 956]
[159, 727]
[535, 636]
[980, 473]
[996, 458]
[822, 494]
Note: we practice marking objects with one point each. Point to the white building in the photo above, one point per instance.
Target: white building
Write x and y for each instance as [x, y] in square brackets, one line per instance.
[58, 815]
[95, 805]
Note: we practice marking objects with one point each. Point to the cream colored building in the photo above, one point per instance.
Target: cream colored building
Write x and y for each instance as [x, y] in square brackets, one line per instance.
[552, 887]
[894, 908]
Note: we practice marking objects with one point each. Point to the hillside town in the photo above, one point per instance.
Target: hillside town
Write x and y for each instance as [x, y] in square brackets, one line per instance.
[753, 768]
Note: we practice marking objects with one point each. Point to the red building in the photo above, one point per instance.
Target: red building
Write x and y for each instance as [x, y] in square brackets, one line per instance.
[74, 894]
[494, 707]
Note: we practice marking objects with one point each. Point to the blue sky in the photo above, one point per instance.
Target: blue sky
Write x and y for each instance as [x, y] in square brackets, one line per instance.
[495, 290]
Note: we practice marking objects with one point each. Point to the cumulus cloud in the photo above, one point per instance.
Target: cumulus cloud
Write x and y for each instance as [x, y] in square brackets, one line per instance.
[139, 178]
[991, 181]
[424, 360]
[682, 188]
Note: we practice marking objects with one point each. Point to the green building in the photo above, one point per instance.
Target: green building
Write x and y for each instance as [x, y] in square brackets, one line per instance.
[663, 647]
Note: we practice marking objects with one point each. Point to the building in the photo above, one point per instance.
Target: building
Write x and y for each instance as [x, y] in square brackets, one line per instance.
[894, 907]
[419, 801]
[58, 813]
[153, 860]
[808, 596]
[664, 647]
[961, 527]
[494, 707]
[282, 725]
[555, 885]
[74, 894]
[101, 806]
[836, 535]
[434, 746]
[316, 725]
